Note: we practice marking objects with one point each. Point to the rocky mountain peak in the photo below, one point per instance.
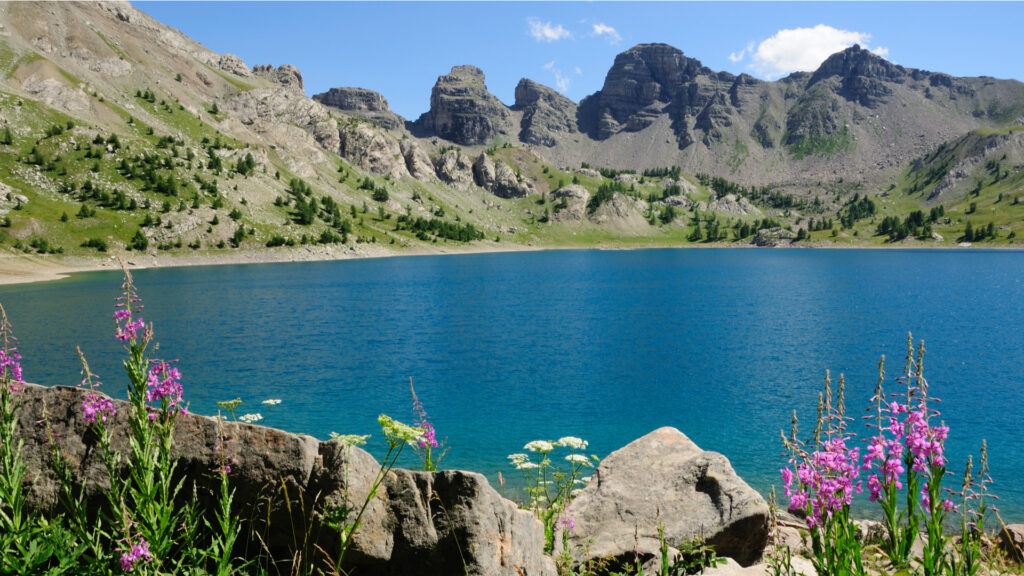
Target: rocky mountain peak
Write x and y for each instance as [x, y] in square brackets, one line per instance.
[862, 74]
[857, 61]
[546, 113]
[641, 83]
[463, 111]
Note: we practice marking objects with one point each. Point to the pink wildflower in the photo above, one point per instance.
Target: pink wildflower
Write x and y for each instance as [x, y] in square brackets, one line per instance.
[96, 408]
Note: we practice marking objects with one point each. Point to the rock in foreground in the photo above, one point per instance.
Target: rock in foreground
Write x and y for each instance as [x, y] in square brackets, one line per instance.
[665, 473]
[447, 522]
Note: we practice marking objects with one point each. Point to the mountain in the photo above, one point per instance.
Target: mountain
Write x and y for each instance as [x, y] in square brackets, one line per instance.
[857, 116]
[121, 135]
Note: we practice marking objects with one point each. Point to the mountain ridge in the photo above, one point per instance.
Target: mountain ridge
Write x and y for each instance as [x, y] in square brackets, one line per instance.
[120, 132]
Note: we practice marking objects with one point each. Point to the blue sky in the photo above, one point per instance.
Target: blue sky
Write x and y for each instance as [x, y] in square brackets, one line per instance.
[399, 49]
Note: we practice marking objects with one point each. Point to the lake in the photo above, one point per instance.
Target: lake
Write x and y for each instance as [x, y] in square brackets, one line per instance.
[605, 345]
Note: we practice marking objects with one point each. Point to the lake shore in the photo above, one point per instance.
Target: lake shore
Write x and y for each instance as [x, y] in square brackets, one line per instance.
[32, 268]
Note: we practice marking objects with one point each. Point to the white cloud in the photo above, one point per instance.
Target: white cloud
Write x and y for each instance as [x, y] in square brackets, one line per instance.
[546, 31]
[549, 65]
[737, 56]
[579, 71]
[602, 29]
[561, 82]
[802, 49]
[880, 51]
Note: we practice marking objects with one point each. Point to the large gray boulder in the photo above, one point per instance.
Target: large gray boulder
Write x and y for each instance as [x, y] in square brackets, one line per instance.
[665, 476]
[419, 523]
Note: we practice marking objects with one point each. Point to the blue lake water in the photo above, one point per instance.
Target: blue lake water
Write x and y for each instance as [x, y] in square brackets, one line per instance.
[605, 345]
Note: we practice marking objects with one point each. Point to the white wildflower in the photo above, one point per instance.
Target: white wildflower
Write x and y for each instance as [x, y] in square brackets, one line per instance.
[272, 402]
[518, 459]
[573, 442]
[398, 433]
[539, 446]
[578, 459]
[251, 418]
[526, 466]
[350, 439]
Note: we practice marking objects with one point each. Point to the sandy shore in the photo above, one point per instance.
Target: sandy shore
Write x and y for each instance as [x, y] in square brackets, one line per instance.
[25, 268]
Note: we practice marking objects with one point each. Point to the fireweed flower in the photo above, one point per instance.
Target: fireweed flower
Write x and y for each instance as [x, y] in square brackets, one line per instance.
[96, 408]
[10, 369]
[163, 383]
[429, 438]
[135, 553]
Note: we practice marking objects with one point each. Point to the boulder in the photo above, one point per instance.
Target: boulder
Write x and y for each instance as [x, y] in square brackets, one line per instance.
[772, 237]
[574, 206]
[665, 477]
[1011, 541]
[420, 522]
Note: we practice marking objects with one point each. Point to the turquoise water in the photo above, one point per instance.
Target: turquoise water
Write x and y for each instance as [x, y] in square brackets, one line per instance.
[508, 348]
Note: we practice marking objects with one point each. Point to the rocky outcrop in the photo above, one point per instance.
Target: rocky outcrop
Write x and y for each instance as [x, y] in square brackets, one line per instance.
[56, 95]
[463, 111]
[285, 75]
[547, 115]
[732, 204]
[361, 103]
[372, 148]
[665, 476]
[265, 108]
[572, 203]
[417, 163]
[863, 76]
[234, 65]
[419, 523]
[499, 179]
[454, 169]
[772, 237]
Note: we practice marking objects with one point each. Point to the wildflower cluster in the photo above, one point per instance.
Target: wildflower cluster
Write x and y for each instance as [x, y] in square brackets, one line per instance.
[134, 553]
[10, 367]
[549, 487]
[429, 450]
[163, 385]
[904, 459]
[826, 471]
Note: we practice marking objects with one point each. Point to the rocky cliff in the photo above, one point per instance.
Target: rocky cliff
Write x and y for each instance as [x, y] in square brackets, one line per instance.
[463, 111]
[361, 103]
[547, 114]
